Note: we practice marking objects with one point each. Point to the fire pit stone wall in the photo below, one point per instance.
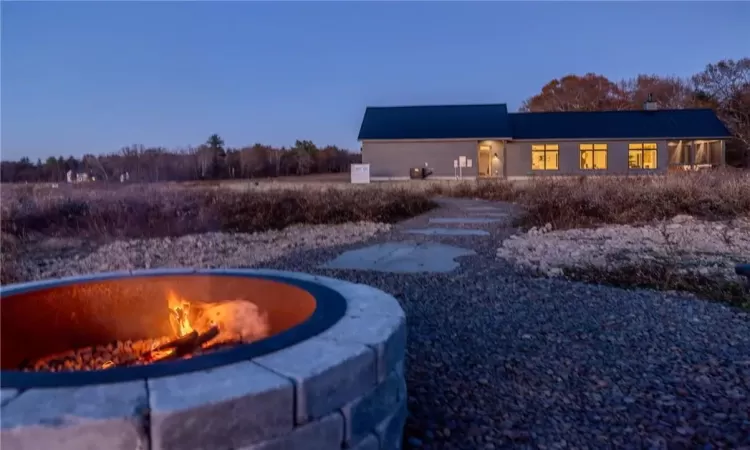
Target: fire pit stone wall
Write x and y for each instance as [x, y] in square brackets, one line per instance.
[343, 388]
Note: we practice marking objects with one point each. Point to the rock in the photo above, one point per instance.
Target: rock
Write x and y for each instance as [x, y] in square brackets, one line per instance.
[682, 218]
[693, 246]
[414, 442]
[200, 250]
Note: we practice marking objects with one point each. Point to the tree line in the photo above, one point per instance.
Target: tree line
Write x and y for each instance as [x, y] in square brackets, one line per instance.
[210, 161]
[723, 86]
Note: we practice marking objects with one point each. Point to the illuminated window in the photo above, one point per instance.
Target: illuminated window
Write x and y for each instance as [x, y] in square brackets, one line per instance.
[593, 156]
[642, 155]
[545, 156]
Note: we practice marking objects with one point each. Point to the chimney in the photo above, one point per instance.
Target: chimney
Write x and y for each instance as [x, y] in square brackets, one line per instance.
[650, 104]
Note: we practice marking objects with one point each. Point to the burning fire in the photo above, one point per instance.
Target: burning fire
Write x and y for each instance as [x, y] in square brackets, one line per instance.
[197, 326]
[179, 309]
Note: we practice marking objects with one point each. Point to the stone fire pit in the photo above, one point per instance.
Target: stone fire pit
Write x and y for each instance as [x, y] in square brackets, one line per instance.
[329, 374]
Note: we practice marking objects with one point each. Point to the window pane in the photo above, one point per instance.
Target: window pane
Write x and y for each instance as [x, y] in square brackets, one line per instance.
[635, 146]
[649, 146]
[649, 159]
[586, 147]
[552, 147]
[600, 160]
[537, 160]
[551, 160]
[600, 146]
[587, 159]
[634, 159]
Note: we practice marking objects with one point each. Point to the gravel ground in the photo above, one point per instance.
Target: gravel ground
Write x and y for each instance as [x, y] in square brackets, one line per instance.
[499, 359]
[64, 257]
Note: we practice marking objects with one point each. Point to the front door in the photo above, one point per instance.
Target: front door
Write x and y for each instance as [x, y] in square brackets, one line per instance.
[484, 161]
[490, 159]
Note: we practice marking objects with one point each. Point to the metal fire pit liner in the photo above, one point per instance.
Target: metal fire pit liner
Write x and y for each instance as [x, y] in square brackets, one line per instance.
[330, 307]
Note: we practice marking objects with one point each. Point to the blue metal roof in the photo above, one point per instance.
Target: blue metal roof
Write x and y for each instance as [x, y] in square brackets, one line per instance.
[494, 121]
[436, 122]
[666, 123]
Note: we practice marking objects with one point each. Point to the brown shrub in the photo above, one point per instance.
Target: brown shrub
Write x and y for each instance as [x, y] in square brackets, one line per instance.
[636, 200]
[169, 210]
[9, 248]
[665, 278]
[586, 201]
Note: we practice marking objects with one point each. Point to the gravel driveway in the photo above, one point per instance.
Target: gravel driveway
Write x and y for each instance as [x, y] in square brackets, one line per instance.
[498, 359]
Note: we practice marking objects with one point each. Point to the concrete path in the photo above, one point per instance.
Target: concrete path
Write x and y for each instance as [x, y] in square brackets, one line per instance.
[483, 208]
[446, 232]
[489, 214]
[462, 220]
[401, 257]
[429, 249]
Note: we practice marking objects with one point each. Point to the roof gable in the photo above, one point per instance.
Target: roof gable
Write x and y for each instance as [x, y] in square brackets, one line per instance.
[664, 124]
[436, 122]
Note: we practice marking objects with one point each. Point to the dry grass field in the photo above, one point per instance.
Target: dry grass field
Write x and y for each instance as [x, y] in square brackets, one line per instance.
[103, 212]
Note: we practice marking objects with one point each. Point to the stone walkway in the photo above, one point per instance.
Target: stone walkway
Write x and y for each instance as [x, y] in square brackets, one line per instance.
[407, 255]
[499, 359]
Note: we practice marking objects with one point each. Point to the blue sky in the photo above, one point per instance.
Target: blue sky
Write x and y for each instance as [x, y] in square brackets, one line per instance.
[82, 77]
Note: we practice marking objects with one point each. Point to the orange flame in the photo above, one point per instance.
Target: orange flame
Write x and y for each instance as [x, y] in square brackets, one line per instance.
[178, 310]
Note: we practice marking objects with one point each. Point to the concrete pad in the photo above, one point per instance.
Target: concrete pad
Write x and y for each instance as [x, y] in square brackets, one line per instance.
[401, 257]
[483, 208]
[447, 232]
[489, 214]
[463, 220]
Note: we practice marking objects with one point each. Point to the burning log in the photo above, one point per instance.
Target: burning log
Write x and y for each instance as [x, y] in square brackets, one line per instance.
[237, 320]
[182, 340]
[197, 326]
[174, 349]
[186, 347]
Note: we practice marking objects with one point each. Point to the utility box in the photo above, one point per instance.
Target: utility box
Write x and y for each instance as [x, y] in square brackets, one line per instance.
[419, 173]
[360, 174]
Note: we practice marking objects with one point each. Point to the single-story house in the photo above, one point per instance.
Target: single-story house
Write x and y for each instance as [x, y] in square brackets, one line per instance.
[487, 141]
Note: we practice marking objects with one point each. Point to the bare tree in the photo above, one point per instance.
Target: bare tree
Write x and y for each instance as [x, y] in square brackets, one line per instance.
[205, 157]
[254, 160]
[727, 84]
[92, 162]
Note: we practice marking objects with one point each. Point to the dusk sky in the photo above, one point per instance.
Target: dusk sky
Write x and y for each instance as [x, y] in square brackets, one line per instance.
[80, 77]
